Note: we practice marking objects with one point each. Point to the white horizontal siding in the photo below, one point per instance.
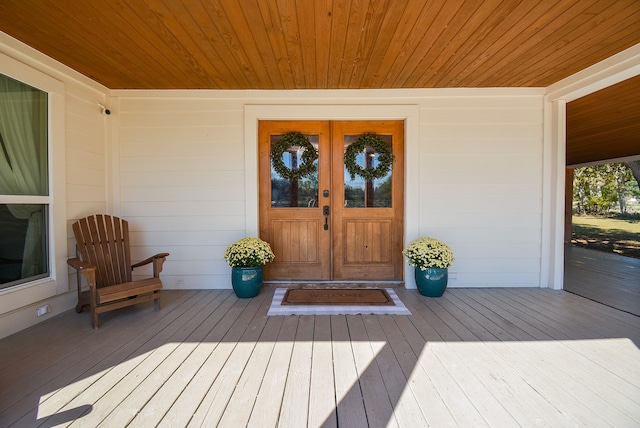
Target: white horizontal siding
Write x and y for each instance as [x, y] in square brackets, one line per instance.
[497, 278]
[172, 206]
[192, 118]
[181, 172]
[508, 110]
[481, 190]
[147, 161]
[481, 175]
[475, 145]
[483, 205]
[186, 146]
[195, 193]
[444, 132]
[185, 178]
[187, 133]
[181, 169]
[507, 175]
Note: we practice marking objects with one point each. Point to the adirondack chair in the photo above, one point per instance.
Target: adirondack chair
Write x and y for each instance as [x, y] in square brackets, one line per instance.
[104, 258]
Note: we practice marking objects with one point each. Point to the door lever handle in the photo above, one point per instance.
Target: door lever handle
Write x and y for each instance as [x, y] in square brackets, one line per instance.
[325, 211]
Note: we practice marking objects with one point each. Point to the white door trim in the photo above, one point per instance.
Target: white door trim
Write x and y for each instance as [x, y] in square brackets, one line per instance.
[410, 113]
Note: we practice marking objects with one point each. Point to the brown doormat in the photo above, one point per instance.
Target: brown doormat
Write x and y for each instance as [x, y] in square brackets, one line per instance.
[338, 296]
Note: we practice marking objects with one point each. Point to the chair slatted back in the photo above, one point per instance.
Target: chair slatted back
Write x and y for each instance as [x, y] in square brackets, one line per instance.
[103, 241]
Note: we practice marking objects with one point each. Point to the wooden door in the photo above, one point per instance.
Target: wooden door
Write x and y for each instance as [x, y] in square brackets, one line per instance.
[291, 217]
[322, 224]
[367, 214]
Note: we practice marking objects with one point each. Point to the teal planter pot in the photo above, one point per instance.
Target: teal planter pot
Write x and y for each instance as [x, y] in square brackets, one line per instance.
[246, 281]
[432, 282]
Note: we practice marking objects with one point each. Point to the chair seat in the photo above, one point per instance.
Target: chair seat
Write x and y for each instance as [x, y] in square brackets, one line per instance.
[127, 290]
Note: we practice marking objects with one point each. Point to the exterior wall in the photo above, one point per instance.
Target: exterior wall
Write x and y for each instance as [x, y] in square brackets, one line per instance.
[78, 177]
[181, 182]
[187, 180]
[481, 186]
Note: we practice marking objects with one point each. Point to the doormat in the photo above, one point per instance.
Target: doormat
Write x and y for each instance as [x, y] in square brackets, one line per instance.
[336, 302]
[337, 296]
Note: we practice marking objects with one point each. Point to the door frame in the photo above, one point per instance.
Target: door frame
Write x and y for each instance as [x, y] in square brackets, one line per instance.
[409, 113]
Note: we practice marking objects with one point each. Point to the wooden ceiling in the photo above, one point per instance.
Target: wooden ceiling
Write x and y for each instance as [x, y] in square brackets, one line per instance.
[332, 44]
[604, 125]
[309, 44]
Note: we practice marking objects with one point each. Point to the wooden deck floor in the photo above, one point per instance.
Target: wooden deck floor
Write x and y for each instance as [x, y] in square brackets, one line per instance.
[606, 278]
[473, 358]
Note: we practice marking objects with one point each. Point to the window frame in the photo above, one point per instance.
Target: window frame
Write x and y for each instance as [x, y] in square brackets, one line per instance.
[56, 282]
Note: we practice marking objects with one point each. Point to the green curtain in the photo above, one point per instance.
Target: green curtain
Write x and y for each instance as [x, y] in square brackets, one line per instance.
[23, 161]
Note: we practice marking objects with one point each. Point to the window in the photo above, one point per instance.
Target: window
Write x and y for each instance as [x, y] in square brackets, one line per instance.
[24, 184]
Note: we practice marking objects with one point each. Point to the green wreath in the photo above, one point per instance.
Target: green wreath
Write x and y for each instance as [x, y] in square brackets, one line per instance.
[385, 157]
[307, 167]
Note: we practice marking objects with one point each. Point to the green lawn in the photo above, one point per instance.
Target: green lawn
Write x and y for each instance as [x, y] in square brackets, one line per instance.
[613, 235]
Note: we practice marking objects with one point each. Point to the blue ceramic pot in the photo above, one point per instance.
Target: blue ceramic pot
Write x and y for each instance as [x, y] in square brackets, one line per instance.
[246, 281]
[432, 282]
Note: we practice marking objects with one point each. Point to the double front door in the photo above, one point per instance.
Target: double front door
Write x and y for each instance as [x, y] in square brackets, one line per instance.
[331, 199]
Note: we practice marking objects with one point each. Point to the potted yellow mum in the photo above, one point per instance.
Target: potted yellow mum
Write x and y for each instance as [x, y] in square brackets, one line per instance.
[247, 258]
[431, 259]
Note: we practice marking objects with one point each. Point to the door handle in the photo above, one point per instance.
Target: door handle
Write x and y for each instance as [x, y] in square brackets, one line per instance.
[325, 211]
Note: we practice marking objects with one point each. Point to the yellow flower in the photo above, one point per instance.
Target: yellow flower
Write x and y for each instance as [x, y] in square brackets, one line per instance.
[429, 253]
[248, 252]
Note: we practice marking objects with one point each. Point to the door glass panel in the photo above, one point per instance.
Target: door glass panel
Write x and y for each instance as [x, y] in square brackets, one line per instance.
[360, 192]
[294, 183]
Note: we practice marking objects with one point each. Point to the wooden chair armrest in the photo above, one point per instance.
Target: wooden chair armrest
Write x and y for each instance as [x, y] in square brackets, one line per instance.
[87, 269]
[157, 260]
[80, 265]
[149, 260]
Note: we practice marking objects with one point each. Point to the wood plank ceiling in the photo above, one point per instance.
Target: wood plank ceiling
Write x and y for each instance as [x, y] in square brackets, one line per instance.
[288, 44]
[324, 44]
[605, 125]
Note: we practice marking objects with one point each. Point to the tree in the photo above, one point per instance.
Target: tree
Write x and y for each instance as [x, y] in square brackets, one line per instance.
[635, 170]
[596, 189]
[621, 174]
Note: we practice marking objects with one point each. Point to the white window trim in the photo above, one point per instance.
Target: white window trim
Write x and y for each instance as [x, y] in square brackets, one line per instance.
[57, 282]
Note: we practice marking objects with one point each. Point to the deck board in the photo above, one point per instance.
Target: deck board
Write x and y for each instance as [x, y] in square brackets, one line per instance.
[487, 387]
[407, 410]
[607, 278]
[230, 364]
[474, 357]
[266, 409]
[295, 402]
[322, 400]
[428, 345]
[375, 395]
[238, 410]
[494, 373]
[421, 382]
[196, 350]
[350, 405]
